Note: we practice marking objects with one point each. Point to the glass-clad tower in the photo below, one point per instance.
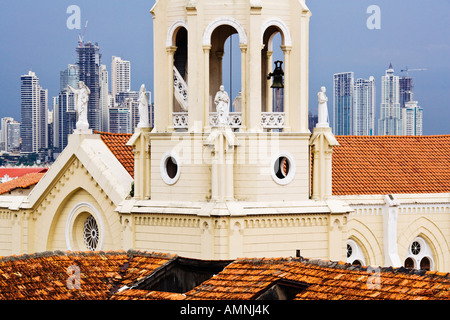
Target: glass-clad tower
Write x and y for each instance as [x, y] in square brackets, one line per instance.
[343, 103]
[390, 122]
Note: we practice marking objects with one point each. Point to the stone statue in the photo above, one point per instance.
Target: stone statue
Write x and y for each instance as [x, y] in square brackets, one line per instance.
[222, 102]
[323, 109]
[143, 108]
[81, 104]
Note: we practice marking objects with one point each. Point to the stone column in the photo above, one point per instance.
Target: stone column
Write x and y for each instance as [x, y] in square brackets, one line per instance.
[287, 89]
[206, 106]
[243, 86]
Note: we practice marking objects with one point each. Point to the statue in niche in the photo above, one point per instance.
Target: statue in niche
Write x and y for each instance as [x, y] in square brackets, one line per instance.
[222, 101]
[143, 108]
[323, 109]
[81, 104]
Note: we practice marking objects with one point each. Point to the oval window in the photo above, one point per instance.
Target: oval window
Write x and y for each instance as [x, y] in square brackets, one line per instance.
[283, 168]
[170, 168]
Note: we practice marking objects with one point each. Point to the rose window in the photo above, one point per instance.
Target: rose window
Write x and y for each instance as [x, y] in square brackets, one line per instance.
[91, 233]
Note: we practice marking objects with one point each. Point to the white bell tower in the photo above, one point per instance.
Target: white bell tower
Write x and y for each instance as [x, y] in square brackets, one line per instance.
[218, 166]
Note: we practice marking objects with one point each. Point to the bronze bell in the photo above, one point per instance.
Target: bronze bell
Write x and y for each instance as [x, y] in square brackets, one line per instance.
[277, 75]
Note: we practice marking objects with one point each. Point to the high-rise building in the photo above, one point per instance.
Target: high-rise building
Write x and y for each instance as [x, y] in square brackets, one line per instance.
[412, 118]
[89, 62]
[343, 103]
[33, 129]
[120, 76]
[406, 90]
[13, 136]
[9, 135]
[64, 113]
[104, 100]
[119, 120]
[390, 122]
[64, 119]
[364, 107]
[69, 76]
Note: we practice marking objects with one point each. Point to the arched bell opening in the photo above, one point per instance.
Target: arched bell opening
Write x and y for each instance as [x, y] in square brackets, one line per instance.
[225, 66]
[273, 73]
[180, 64]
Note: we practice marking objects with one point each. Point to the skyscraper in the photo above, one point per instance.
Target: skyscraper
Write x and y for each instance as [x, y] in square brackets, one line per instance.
[406, 90]
[120, 76]
[104, 100]
[390, 122]
[364, 107]
[343, 103]
[69, 76]
[119, 118]
[89, 62]
[64, 114]
[33, 129]
[9, 135]
[412, 118]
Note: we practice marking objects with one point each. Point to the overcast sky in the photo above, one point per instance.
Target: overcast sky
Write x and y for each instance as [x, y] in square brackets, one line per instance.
[414, 34]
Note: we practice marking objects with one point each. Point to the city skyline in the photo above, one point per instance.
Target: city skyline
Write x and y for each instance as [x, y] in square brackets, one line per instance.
[366, 52]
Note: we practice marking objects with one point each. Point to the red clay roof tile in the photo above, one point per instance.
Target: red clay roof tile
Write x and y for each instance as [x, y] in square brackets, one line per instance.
[25, 181]
[391, 164]
[116, 142]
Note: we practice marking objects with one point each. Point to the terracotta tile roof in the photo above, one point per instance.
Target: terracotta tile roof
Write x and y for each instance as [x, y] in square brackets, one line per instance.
[248, 279]
[391, 164]
[18, 172]
[25, 181]
[44, 276]
[117, 143]
[147, 295]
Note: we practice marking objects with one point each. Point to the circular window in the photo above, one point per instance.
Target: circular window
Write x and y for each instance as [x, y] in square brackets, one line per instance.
[349, 250]
[170, 168]
[415, 248]
[91, 233]
[283, 168]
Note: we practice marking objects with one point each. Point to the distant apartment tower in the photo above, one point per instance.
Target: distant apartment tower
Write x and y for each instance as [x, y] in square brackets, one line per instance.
[34, 128]
[104, 102]
[64, 114]
[89, 63]
[120, 120]
[343, 103]
[390, 122]
[129, 100]
[364, 107]
[406, 90]
[120, 76]
[9, 135]
[412, 118]
[69, 76]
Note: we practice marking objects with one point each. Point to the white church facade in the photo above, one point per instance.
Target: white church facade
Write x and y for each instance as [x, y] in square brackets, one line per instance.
[212, 184]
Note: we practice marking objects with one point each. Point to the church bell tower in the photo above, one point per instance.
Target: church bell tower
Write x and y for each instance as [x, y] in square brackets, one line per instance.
[217, 153]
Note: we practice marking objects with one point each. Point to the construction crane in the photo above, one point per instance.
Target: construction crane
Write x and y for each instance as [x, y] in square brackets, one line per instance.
[81, 38]
[407, 70]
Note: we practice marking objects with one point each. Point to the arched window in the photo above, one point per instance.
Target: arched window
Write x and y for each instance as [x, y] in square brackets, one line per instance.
[419, 255]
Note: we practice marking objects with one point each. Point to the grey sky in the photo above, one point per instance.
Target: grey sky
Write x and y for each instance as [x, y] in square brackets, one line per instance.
[414, 34]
